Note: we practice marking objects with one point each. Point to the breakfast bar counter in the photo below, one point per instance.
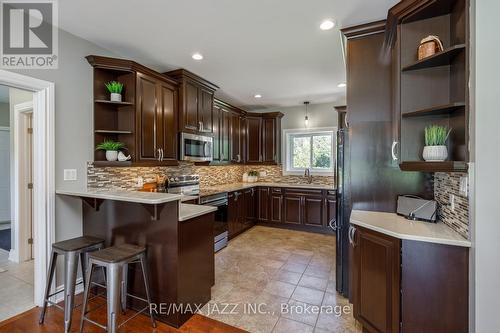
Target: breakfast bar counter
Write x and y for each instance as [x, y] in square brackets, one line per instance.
[178, 238]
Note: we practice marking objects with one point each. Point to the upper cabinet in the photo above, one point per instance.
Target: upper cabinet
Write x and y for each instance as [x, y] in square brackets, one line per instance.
[156, 119]
[196, 100]
[263, 134]
[221, 133]
[432, 90]
[146, 118]
[254, 139]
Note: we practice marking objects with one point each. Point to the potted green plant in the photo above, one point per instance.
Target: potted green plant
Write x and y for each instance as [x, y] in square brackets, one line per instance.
[435, 149]
[115, 89]
[252, 176]
[111, 147]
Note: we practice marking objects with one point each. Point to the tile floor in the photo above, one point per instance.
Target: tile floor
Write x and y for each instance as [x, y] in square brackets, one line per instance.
[16, 288]
[273, 270]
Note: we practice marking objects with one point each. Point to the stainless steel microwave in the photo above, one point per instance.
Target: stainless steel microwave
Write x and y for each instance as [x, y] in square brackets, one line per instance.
[196, 148]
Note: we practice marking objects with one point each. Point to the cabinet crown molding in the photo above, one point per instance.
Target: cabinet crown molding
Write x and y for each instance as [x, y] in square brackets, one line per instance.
[126, 66]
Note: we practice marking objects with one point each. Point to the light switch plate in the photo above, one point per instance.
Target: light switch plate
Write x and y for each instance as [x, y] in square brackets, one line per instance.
[463, 186]
[70, 174]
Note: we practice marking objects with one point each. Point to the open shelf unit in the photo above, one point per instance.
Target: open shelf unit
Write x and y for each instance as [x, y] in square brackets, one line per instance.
[436, 110]
[113, 120]
[433, 90]
[442, 58]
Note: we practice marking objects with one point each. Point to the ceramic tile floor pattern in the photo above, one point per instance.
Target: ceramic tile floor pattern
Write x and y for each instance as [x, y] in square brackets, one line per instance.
[16, 288]
[270, 269]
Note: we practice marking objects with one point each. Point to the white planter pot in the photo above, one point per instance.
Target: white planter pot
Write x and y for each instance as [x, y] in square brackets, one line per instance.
[111, 155]
[116, 97]
[435, 153]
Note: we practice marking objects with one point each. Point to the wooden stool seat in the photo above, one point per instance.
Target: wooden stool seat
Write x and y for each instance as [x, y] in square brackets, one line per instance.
[117, 253]
[78, 243]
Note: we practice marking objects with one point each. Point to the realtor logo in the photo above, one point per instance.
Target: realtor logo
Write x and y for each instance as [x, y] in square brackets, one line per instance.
[29, 34]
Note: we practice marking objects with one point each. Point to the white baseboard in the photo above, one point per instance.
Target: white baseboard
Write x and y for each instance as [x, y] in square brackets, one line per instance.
[13, 256]
[78, 290]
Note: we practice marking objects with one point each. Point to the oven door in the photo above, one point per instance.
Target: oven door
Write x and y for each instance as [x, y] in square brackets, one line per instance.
[196, 147]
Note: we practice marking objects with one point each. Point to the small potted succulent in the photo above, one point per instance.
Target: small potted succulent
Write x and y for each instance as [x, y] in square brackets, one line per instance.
[435, 149]
[252, 176]
[115, 89]
[111, 147]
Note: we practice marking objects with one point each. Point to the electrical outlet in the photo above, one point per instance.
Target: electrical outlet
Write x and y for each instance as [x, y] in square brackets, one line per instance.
[452, 202]
[263, 173]
[463, 186]
[140, 181]
[69, 174]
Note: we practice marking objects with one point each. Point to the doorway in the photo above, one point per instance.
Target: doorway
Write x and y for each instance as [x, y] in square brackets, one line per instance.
[17, 281]
[43, 193]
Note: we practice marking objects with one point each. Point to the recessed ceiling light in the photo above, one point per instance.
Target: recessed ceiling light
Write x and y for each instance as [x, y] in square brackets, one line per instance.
[197, 56]
[258, 96]
[341, 85]
[327, 25]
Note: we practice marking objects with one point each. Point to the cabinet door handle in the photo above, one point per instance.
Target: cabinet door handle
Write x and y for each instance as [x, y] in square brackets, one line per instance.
[393, 152]
[333, 224]
[159, 154]
[200, 126]
[352, 231]
[162, 154]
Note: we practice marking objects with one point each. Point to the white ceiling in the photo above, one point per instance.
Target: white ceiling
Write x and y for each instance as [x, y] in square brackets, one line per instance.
[271, 47]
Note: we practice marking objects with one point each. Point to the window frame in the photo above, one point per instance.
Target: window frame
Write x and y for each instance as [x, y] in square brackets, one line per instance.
[288, 134]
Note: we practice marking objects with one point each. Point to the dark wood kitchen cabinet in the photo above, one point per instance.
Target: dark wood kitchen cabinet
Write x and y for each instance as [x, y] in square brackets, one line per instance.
[376, 281]
[271, 136]
[305, 207]
[221, 134]
[253, 139]
[250, 197]
[263, 133]
[293, 209]
[276, 203]
[263, 204]
[237, 137]
[156, 111]
[406, 285]
[241, 211]
[145, 120]
[196, 99]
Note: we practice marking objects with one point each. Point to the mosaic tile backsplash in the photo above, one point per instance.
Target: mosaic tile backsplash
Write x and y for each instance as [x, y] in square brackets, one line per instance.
[446, 184]
[126, 178]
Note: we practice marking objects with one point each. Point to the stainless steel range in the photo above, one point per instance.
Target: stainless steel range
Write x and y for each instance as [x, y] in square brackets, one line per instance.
[189, 185]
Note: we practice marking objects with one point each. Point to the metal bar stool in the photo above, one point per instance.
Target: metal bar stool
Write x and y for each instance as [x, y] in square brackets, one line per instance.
[116, 260]
[72, 249]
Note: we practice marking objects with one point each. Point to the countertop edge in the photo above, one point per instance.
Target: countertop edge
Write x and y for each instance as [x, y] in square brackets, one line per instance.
[403, 236]
[113, 195]
[200, 210]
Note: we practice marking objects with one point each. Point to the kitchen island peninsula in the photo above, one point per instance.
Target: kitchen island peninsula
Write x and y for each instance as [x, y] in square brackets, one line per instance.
[178, 238]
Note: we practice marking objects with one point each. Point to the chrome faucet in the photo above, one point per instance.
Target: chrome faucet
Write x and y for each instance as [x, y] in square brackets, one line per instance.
[307, 173]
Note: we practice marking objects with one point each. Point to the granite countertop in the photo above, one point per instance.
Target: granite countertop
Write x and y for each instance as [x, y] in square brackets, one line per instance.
[188, 211]
[240, 186]
[152, 198]
[397, 226]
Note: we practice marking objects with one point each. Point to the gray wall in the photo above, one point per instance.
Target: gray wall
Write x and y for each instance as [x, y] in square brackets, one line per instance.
[320, 115]
[485, 145]
[73, 124]
[4, 114]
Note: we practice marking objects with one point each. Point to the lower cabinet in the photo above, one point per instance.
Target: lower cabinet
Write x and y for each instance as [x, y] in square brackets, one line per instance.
[263, 206]
[276, 202]
[408, 286]
[302, 209]
[241, 211]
